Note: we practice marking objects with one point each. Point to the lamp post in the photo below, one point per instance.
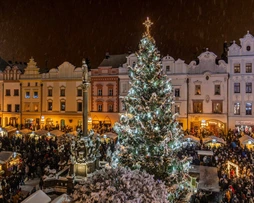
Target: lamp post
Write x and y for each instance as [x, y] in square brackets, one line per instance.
[85, 87]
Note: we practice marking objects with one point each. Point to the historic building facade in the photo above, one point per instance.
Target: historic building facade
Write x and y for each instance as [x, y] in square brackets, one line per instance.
[240, 94]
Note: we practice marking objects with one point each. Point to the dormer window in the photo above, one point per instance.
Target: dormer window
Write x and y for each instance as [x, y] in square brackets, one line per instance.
[167, 68]
[248, 48]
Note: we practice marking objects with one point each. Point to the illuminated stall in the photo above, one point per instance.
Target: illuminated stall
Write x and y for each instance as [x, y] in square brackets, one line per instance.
[213, 141]
[7, 160]
[247, 141]
[190, 140]
[3, 132]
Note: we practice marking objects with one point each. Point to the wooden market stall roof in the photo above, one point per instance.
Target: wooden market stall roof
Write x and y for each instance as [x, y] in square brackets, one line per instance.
[211, 138]
[5, 156]
[205, 152]
[191, 137]
[245, 139]
[57, 132]
[41, 132]
[25, 131]
[9, 128]
[38, 197]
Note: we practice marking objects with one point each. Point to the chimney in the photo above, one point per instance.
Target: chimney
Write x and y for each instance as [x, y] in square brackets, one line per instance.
[107, 55]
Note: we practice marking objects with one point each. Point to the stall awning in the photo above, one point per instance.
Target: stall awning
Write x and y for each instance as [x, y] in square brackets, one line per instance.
[56, 132]
[205, 152]
[212, 138]
[38, 197]
[245, 139]
[41, 132]
[192, 138]
[5, 156]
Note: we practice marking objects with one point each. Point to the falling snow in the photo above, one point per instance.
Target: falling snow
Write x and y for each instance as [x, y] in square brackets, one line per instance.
[71, 30]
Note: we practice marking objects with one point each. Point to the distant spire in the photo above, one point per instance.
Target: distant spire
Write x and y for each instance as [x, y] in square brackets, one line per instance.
[148, 24]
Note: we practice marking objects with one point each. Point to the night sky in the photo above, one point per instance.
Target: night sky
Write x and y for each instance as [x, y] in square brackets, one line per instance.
[68, 30]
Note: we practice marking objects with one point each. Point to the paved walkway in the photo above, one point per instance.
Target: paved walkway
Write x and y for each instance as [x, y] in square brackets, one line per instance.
[29, 185]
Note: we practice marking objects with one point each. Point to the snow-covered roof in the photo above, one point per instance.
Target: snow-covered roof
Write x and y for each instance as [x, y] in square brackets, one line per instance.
[39, 197]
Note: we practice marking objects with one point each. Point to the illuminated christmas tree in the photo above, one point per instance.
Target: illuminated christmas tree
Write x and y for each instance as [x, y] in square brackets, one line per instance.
[149, 137]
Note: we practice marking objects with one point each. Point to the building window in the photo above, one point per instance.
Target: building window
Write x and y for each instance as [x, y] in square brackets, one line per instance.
[9, 107]
[167, 68]
[50, 105]
[50, 92]
[35, 94]
[177, 108]
[62, 92]
[7, 92]
[248, 48]
[237, 87]
[197, 89]
[110, 92]
[177, 92]
[99, 107]
[237, 108]
[217, 106]
[248, 87]
[16, 92]
[237, 68]
[99, 92]
[79, 106]
[79, 92]
[217, 89]
[27, 95]
[28, 84]
[248, 109]
[124, 87]
[197, 107]
[36, 84]
[16, 107]
[110, 107]
[62, 105]
[36, 107]
[248, 68]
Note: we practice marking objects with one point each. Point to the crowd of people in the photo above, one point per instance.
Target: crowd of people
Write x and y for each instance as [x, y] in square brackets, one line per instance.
[236, 180]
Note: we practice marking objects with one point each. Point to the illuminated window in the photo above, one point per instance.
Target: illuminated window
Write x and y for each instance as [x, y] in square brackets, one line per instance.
[35, 94]
[197, 106]
[177, 92]
[50, 105]
[62, 105]
[27, 95]
[248, 68]
[237, 108]
[177, 108]
[248, 87]
[110, 92]
[248, 109]
[237, 68]
[99, 107]
[217, 106]
[237, 87]
[217, 89]
[99, 92]
[16, 107]
[197, 89]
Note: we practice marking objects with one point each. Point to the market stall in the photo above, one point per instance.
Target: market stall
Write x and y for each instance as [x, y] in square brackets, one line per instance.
[8, 160]
[3, 132]
[190, 140]
[39, 197]
[213, 141]
[108, 136]
[247, 141]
